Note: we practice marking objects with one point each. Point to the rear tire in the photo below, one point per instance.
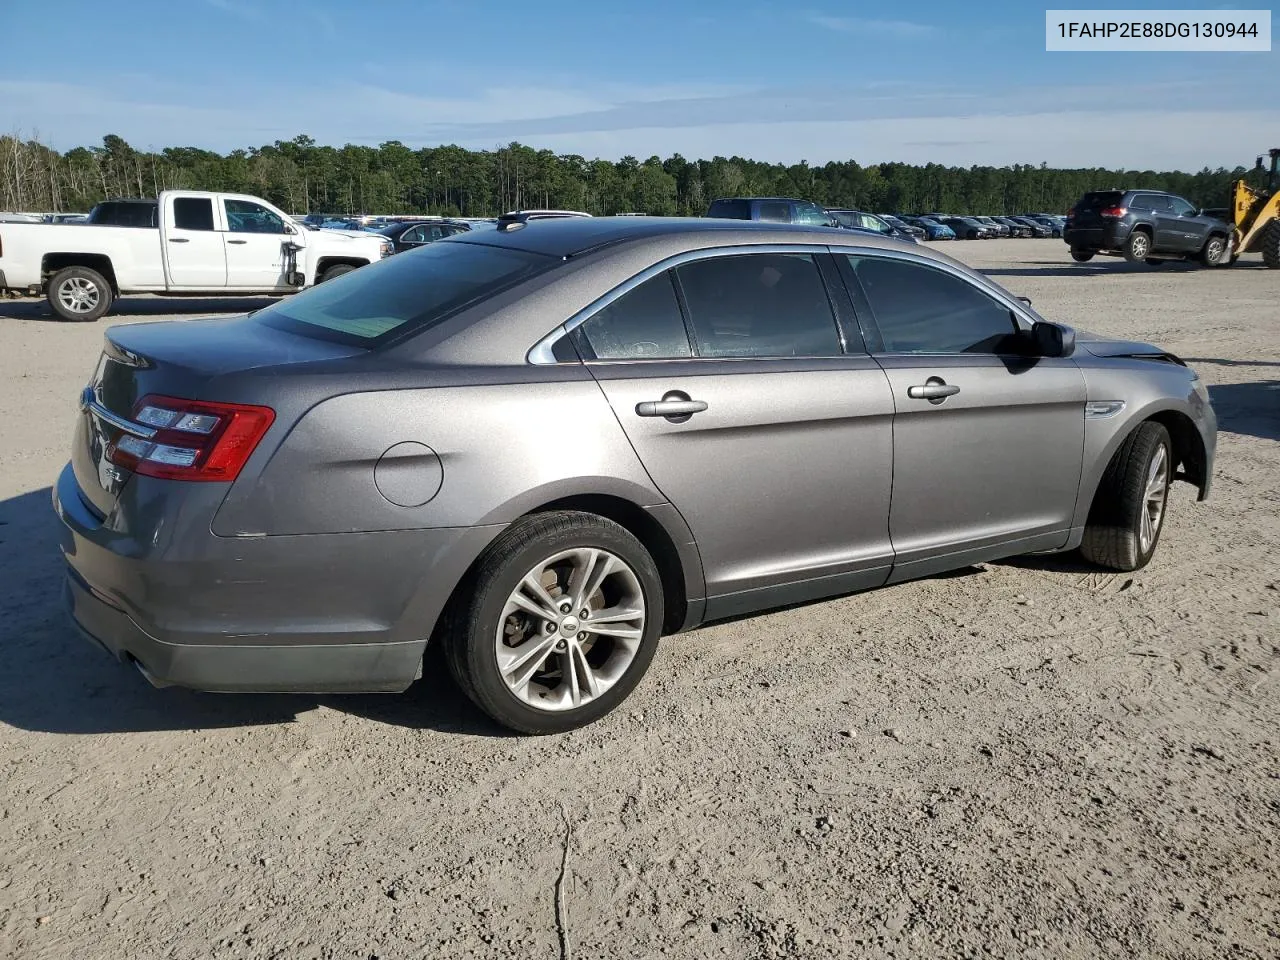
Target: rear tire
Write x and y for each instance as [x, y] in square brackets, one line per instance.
[1271, 245]
[1082, 256]
[337, 270]
[486, 617]
[1138, 247]
[1129, 506]
[79, 294]
[1214, 253]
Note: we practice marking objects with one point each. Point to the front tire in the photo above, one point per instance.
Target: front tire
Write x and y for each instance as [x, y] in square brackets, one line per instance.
[559, 623]
[1214, 253]
[1138, 247]
[1271, 245]
[79, 294]
[1082, 256]
[1129, 506]
[337, 270]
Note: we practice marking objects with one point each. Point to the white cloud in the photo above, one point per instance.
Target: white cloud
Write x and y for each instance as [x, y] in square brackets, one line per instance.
[892, 28]
[909, 122]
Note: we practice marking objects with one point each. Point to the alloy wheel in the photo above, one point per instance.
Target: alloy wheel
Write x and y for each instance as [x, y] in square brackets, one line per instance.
[570, 629]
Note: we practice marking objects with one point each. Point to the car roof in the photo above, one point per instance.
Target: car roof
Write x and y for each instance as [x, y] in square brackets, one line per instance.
[573, 236]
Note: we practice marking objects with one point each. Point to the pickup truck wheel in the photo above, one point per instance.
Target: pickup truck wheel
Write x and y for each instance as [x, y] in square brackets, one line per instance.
[337, 270]
[1138, 247]
[78, 293]
[1128, 508]
[1081, 256]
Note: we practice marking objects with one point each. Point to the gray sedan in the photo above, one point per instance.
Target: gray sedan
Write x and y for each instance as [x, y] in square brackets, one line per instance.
[542, 447]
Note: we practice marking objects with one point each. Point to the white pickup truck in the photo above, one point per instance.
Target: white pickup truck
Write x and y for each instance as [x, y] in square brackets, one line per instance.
[198, 244]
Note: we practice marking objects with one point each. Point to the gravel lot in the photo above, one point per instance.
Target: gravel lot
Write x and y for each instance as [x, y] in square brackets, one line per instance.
[1028, 759]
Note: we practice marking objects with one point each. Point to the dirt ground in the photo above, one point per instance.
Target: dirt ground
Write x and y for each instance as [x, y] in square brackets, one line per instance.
[1028, 759]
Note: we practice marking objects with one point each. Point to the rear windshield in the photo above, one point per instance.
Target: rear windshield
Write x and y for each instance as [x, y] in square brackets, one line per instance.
[730, 209]
[118, 214]
[1100, 200]
[403, 294]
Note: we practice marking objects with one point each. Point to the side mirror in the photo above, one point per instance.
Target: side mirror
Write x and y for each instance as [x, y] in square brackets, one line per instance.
[1053, 339]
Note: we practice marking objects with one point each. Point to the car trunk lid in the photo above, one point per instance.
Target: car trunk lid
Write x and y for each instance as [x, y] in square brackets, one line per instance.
[174, 359]
[1088, 212]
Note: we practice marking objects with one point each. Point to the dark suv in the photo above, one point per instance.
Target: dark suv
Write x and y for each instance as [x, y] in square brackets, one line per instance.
[771, 209]
[1144, 225]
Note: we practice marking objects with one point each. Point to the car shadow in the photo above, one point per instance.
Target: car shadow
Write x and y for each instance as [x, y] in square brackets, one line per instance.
[57, 681]
[128, 308]
[1251, 409]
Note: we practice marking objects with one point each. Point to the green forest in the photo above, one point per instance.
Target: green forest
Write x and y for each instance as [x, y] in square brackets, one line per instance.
[302, 176]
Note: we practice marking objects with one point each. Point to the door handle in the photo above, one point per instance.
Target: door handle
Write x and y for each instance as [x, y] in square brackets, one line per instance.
[935, 390]
[179, 240]
[237, 241]
[675, 406]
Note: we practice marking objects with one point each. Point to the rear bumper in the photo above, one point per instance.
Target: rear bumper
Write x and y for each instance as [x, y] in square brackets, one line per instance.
[1110, 236]
[316, 614]
[228, 667]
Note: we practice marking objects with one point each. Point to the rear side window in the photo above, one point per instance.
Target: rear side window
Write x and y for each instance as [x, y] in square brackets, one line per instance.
[643, 324]
[923, 310]
[730, 209]
[193, 213]
[759, 305]
[403, 294]
[775, 211]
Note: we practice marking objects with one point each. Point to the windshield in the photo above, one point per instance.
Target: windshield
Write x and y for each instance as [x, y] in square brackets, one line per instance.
[403, 294]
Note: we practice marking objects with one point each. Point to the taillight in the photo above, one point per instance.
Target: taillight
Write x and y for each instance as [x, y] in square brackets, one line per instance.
[1113, 211]
[193, 440]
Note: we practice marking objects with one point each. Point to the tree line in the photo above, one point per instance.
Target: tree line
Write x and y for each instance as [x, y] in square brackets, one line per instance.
[302, 176]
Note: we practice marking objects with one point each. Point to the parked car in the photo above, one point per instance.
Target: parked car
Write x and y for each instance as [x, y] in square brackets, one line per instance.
[1001, 229]
[858, 220]
[303, 498]
[66, 218]
[408, 234]
[211, 244]
[1144, 225]
[772, 210]
[1016, 229]
[917, 233]
[1039, 229]
[934, 230]
[1051, 225]
[967, 228]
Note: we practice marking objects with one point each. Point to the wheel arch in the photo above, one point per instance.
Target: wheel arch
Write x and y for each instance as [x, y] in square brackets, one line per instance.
[1189, 454]
[324, 263]
[51, 263]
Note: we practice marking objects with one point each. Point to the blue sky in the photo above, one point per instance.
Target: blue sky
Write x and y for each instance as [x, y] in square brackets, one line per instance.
[942, 80]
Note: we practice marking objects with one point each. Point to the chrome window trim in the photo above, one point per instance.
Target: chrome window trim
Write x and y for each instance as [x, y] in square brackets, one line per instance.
[541, 353]
[1019, 310]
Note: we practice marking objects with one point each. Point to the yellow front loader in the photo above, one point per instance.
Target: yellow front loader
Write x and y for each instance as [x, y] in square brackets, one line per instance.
[1257, 214]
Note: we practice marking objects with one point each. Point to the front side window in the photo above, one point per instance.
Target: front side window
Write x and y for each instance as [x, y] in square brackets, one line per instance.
[402, 295]
[246, 217]
[193, 213]
[413, 235]
[920, 309]
[1181, 208]
[759, 305]
[644, 323]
